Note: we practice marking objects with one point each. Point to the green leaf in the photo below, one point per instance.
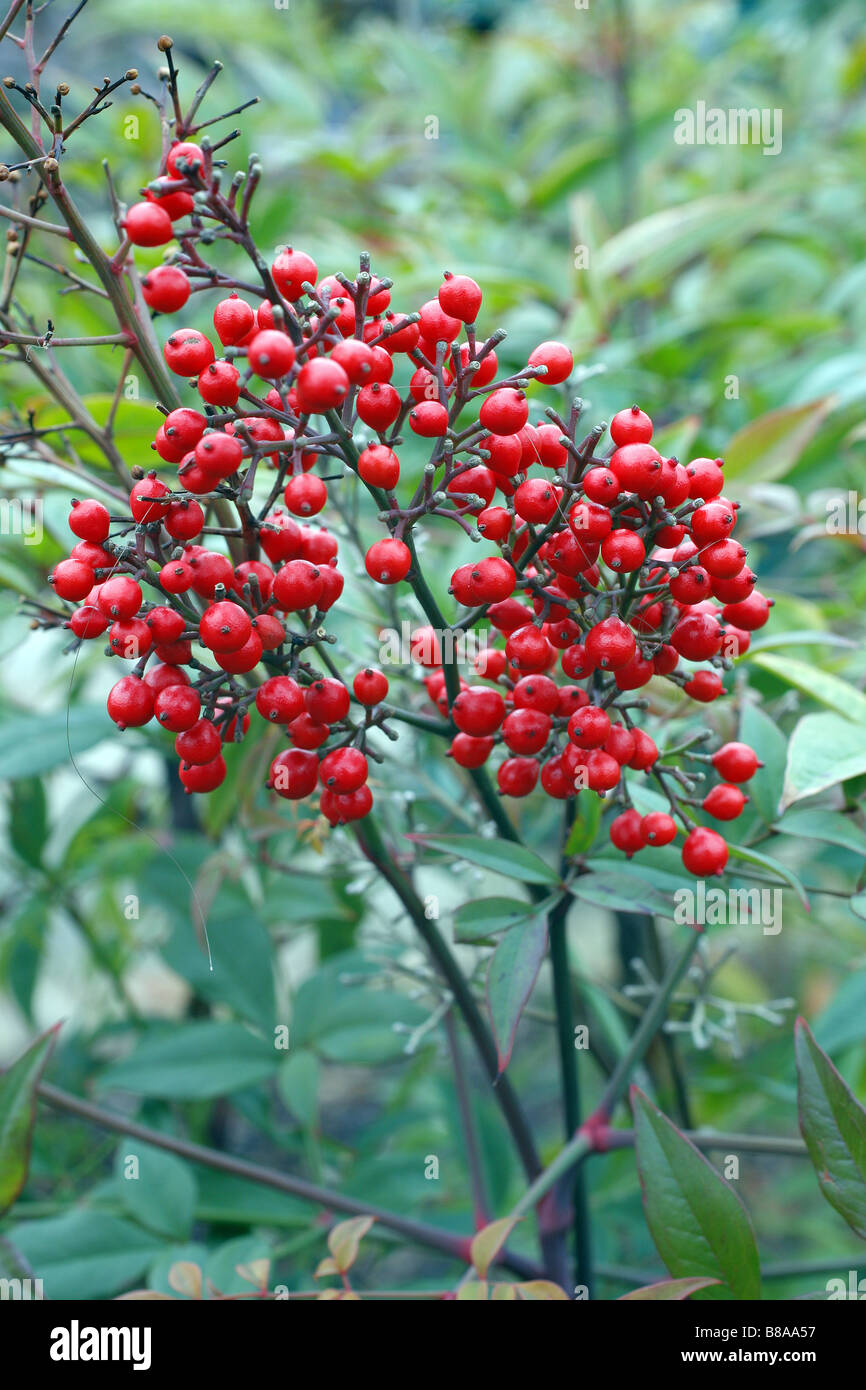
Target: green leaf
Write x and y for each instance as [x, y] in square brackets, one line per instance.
[829, 827]
[824, 749]
[833, 1123]
[668, 1290]
[487, 1243]
[499, 856]
[611, 891]
[298, 1083]
[18, 1114]
[764, 735]
[765, 861]
[242, 974]
[32, 744]
[156, 1188]
[587, 818]
[699, 1225]
[194, 1062]
[478, 920]
[28, 820]
[840, 1023]
[85, 1254]
[767, 448]
[822, 686]
[511, 975]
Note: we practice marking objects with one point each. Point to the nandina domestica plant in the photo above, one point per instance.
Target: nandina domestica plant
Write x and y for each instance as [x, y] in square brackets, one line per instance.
[313, 436]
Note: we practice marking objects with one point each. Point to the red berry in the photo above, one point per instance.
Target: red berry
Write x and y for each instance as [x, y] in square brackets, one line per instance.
[280, 700]
[294, 774]
[429, 419]
[517, 776]
[556, 358]
[271, 354]
[478, 711]
[224, 627]
[270, 631]
[183, 520]
[536, 501]
[233, 320]
[219, 384]
[504, 411]
[631, 427]
[379, 466]
[165, 289]
[638, 468]
[177, 576]
[149, 499]
[203, 777]
[645, 751]
[339, 809]
[119, 597]
[305, 494]
[460, 297]
[388, 561]
[188, 352]
[72, 580]
[601, 485]
[370, 686]
[147, 224]
[290, 270]
[165, 623]
[130, 702]
[704, 852]
[724, 802]
[281, 537]
[321, 385]
[327, 701]
[697, 636]
[536, 692]
[526, 730]
[179, 433]
[705, 478]
[624, 551]
[468, 751]
[184, 160]
[297, 585]
[736, 762]
[87, 622]
[357, 359]
[306, 733]
[589, 727]
[627, 832]
[705, 686]
[344, 770]
[177, 708]
[659, 828]
[750, 614]
[528, 649]
[242, 659]
[610, 644]
[378, 405]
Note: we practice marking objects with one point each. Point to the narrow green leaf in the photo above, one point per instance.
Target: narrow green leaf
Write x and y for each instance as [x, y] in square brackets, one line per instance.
[28, 819]
[765, 861]
[833, 1123]
[17, 1115]
[584, 829]
[699, 1225]
[829, 827]
[478, 920]
[764, 735]
[194, 1062]
[31, 744]
[767, 448]
[825, 749]
[156, 1188]
[500, 856]
[667, 1290]
[823, 686]
[611, 891]
[511, 975]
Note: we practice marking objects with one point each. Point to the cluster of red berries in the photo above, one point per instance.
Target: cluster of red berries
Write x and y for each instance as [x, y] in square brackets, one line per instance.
[613, 569]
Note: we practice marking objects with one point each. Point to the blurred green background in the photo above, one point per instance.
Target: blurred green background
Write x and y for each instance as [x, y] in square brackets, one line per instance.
[531, 146]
